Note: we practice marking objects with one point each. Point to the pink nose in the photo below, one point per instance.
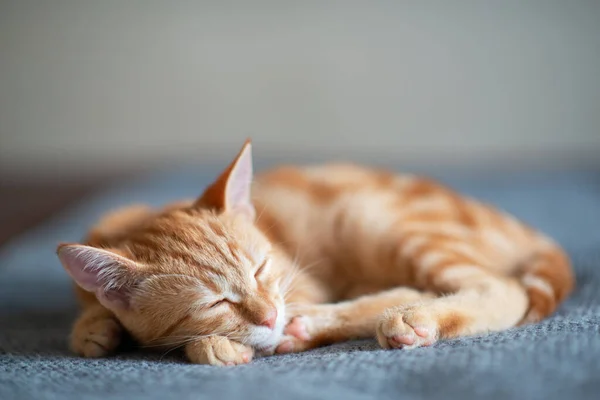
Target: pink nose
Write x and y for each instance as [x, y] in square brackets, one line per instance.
[270, 318]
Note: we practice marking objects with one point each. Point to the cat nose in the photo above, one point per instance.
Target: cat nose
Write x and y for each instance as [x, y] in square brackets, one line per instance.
[270, 318]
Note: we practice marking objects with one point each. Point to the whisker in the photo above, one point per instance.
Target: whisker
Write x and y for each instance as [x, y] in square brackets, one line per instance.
[168, 351]
[176, 341]
[179, 339]
[261, 213]
[288, 280]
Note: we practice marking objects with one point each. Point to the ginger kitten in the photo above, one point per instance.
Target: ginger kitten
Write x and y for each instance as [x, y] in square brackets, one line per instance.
[311, 256]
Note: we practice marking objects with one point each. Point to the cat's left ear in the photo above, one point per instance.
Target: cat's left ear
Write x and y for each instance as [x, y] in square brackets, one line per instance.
[231, 192]
[110, 276]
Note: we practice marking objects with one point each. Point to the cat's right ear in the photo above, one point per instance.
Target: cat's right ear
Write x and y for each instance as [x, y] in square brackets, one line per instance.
[106, 274]
[231, 192]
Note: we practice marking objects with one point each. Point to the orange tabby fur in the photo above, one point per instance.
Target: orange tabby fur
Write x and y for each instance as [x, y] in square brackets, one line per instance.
[318, 255]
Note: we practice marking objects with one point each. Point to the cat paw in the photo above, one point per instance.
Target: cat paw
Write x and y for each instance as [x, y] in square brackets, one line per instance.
[218, 350]
[98, 338]
[407, 328]
[297, 336]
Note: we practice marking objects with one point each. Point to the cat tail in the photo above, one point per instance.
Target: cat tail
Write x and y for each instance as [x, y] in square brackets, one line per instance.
[548, 279]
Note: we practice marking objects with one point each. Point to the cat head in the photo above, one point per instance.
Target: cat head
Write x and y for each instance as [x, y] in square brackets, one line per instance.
[195, 270]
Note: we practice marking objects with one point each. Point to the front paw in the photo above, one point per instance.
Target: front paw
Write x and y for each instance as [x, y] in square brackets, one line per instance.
[96, 338]
[297, 337]
[407, 327]
[218, 350]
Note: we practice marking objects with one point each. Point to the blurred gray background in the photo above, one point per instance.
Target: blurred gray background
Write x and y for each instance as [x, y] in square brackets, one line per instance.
[95, 87]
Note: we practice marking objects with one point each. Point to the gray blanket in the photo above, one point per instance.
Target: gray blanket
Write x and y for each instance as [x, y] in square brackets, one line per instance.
[556, 359]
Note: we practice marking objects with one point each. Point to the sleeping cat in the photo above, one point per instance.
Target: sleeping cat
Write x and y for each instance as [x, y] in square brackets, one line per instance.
[310, 256]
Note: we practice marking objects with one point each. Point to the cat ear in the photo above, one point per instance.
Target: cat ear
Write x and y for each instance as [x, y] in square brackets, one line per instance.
[108, 275]
[231, 191]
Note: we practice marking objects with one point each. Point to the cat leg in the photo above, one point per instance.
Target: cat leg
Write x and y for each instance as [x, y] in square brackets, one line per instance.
[96, 333]
[478, 301]
[316, 325]
[218, 350]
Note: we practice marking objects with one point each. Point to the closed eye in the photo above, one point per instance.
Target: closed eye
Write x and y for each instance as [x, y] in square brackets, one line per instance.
[218, 303]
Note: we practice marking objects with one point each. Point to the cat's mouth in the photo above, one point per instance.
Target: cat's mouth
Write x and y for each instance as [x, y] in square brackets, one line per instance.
[264, 339]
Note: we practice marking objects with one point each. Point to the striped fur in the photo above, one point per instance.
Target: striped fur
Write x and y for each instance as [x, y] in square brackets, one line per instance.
[354, 252]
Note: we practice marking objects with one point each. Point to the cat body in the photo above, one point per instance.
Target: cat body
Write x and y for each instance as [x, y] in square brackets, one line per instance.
[309, 256]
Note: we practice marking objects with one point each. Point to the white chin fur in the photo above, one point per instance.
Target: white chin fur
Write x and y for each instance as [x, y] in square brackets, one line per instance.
[263, 338]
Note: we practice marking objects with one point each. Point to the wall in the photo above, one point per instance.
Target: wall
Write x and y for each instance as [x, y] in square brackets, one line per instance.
[88, 86]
